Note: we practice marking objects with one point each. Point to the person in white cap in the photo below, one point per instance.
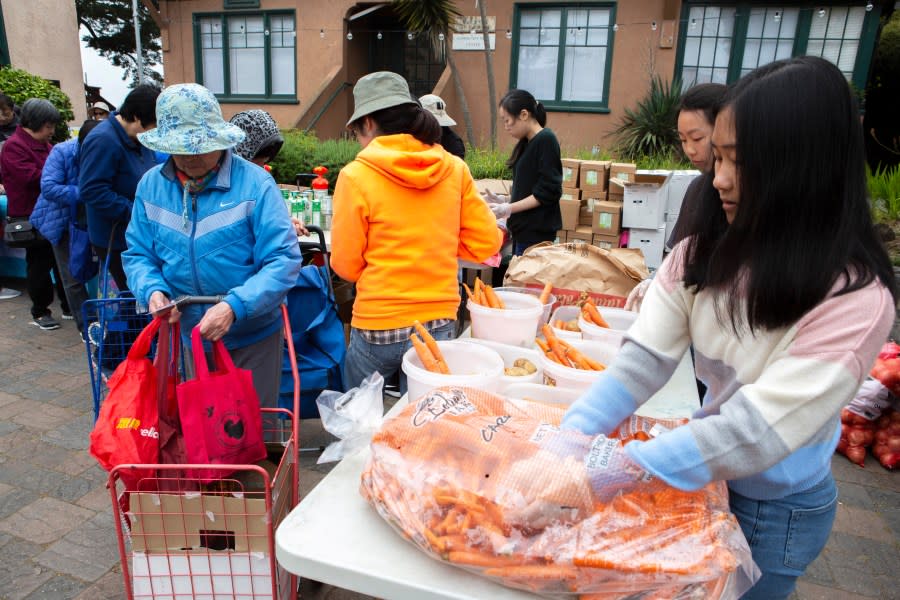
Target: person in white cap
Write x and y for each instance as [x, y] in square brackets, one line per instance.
[99, 111]
[451, 142]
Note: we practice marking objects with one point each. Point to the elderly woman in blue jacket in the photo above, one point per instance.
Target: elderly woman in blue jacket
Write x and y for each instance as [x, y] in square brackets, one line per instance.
[60, 205]
[207, 222]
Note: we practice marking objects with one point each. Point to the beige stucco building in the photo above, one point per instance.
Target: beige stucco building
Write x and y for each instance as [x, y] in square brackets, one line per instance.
[41, 37]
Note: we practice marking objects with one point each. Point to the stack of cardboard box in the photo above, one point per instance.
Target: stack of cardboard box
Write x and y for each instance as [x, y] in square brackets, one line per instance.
[587, 214]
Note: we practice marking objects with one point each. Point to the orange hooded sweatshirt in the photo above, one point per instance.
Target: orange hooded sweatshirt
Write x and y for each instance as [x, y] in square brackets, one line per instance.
[404, 212]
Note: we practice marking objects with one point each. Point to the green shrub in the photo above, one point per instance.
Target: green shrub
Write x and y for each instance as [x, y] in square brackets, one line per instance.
[302, 151]
[485, 163]
[21, 85]
[650, 128]
[884, 193]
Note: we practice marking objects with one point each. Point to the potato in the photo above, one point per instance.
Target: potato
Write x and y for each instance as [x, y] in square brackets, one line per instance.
[526, 364]
[515, 371]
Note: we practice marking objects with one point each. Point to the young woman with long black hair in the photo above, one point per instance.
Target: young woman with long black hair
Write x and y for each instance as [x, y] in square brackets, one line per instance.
[532, 212]
[787, 294]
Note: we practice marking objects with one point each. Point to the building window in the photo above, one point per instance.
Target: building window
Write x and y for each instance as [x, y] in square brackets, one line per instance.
[247, 56]
[721, 42]
[562, 54]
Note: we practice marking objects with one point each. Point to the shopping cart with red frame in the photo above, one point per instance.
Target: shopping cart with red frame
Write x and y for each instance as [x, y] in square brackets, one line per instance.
[181, 538]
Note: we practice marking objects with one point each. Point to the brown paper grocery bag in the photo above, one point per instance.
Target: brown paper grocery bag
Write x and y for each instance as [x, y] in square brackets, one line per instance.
[578, 271]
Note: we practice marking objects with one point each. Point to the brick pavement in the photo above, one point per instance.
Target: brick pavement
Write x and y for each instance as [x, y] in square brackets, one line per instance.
[57, 538]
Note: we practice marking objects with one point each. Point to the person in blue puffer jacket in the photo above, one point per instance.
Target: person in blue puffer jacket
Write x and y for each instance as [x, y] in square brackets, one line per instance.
[206, 223]
[57, 206]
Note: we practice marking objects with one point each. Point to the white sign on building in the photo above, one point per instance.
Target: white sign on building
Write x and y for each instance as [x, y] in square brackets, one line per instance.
[472, 41]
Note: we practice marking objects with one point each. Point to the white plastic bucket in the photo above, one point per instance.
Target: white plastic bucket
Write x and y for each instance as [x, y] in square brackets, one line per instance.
[510, 354]
[619, 322]
[548, 308]
[514, 325]
[558, 375]
[471, 365]
[546, 394]
[566, 313]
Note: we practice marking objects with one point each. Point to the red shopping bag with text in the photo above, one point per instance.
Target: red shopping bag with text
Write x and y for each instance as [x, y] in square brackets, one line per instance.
[126, 431]
[220, 416]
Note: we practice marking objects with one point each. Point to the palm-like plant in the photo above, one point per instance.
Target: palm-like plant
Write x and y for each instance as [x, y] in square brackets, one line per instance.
[650, 129]
[432, 18]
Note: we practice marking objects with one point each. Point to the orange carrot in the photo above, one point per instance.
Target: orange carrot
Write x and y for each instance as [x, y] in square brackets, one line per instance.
[584, 362]
[595, 315]
[493, 299]
[483, 560]
[545, 293]
[433, 347]
[424, 354]
[469, 293]
[554, 572]
[553, 342]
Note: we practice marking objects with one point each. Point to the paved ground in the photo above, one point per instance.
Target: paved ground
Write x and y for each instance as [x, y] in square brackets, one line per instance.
[57, 538]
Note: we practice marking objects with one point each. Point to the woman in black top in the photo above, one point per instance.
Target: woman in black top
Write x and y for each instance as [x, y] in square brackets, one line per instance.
[532, 212]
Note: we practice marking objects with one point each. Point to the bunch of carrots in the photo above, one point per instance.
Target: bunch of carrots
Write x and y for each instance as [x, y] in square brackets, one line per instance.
[592, 315]
[428, 351]
[486, 296]
[558, 350]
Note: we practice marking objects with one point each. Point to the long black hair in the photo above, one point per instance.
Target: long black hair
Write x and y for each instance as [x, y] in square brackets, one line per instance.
[803, 224]
[514, 102]
[703, 97]
[405, 118]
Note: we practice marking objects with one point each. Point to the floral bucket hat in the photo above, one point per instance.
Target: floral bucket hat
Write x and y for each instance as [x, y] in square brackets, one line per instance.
[189, 121]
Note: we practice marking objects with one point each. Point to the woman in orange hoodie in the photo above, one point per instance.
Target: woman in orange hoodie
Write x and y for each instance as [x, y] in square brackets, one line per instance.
[405, 210]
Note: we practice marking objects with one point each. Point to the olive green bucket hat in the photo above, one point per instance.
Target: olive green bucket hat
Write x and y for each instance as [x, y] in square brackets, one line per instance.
[377, 91]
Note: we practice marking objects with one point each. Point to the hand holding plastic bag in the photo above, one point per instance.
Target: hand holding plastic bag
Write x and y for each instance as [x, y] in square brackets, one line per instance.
[353, 417]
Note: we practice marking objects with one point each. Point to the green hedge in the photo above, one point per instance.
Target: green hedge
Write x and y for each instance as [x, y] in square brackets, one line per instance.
[302, 151]
[21, 85]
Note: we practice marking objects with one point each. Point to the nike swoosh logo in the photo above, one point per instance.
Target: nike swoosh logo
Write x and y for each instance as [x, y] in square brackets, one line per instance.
[226, 204]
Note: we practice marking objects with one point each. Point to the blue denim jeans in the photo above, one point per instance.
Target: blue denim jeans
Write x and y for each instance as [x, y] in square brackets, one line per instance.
[363, 358]
[785, 535]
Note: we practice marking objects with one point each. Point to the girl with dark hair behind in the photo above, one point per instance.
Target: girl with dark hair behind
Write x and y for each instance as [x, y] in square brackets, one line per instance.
[786, 294]
[532, 212]
[405, 211]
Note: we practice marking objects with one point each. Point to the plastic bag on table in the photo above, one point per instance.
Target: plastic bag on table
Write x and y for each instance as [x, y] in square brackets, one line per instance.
[352, 417]
[492, 485]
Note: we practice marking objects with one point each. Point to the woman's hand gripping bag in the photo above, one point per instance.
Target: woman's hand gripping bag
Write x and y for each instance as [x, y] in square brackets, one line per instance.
[492, 485]
[126, 428]
[220, 415]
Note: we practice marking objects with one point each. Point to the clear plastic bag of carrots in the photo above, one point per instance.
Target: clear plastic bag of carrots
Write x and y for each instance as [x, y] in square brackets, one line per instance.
[474, 479]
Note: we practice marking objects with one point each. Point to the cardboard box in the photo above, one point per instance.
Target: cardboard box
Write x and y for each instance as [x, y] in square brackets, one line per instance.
[570, 194]
[606, 242]
[651, 242]
[645, 201]
[581, 234]
[585, 216]
[594, 175]
[569, 209]
[622, 171]
[497, 186]
[607, 218]
[591, 196]
[561, 236]
[616, 191]
[678, 186]
[570, 170]
[671, 219]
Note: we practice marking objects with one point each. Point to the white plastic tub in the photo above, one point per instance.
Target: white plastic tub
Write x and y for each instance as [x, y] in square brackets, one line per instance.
[548, 308]
[514, 325]
[619, 322]
[510, 354]
[556, 374]
[470, 365]
[546, 394]
[566, 313]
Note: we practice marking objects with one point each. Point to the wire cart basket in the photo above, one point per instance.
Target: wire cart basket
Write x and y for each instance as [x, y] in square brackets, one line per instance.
[180, 538]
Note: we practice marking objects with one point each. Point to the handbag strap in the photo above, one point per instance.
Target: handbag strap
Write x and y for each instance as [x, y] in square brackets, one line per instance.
[222, 359]
[141, 346]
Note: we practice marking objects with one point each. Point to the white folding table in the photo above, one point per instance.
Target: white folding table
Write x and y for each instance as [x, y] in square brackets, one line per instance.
[335, 537]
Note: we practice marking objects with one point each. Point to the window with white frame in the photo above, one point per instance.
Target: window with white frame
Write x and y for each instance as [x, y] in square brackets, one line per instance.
[721, 42]
[247, 55]
[562, 53]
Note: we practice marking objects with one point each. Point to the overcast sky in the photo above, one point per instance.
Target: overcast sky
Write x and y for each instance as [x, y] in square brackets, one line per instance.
[100, 72]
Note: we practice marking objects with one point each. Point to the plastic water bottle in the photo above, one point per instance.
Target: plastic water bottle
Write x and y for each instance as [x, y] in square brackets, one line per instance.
[316, 212]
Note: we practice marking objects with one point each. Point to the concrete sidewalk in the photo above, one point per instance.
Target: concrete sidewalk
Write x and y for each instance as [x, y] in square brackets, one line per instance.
[57, 537]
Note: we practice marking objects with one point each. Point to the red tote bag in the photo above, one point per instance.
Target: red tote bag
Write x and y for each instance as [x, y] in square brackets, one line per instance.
[220, 416]
[126, 431]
